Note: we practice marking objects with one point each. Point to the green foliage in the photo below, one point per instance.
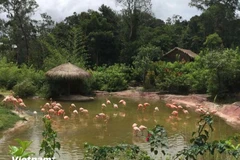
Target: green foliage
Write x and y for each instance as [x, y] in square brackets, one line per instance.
[143, 61]
[200, 144]
[49, 143]
[121, 152]
[25, 89]
[213, 41]
[222, 71]
[157, 137]
[112, 78]
[25, 80]
[172, 77]
[20, 152]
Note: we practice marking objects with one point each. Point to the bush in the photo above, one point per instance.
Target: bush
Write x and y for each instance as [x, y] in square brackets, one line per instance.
[25, 89]
[112, 78]
[172, 77]
[12, 75]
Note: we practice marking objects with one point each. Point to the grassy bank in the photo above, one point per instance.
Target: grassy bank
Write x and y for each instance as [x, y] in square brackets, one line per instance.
[7, 118]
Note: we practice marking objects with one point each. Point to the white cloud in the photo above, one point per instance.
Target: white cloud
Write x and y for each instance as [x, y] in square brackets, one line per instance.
[162, 9]
[167, 8]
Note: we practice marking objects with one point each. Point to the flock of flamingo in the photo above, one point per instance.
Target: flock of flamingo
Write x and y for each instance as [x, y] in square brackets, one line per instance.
[16, 102]
[53, 109]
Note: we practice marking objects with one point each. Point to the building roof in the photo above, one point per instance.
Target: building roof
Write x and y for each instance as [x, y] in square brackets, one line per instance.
[67, 71]
[186, 51]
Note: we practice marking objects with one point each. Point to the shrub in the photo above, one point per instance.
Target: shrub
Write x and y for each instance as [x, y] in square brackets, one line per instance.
[112, 78]
[25, 89]
[173, 77]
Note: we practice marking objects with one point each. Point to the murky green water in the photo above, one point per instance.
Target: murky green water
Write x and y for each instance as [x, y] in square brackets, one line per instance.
[73, 133]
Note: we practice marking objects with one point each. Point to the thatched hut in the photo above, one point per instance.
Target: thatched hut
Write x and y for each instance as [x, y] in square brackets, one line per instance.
[67, 74]
[179, 54]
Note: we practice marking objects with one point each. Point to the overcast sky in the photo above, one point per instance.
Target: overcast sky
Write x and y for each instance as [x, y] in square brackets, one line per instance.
[59, 9]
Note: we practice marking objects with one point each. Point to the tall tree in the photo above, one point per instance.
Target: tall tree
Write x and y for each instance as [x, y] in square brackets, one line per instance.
[131, 14]
[204, 4]
[19, 14]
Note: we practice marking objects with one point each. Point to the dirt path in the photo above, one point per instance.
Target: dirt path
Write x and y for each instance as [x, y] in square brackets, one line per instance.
[229, 112]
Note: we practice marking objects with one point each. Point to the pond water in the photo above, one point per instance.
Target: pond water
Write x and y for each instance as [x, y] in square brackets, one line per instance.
[73, 133]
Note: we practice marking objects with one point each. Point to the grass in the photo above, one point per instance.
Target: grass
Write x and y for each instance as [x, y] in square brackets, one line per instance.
[7, 118]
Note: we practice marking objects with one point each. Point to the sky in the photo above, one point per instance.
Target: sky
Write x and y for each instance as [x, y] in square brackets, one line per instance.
[162, 9]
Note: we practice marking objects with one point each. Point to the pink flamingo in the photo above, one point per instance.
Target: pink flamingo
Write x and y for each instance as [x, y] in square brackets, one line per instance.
[140, 106]
[66, 118]
[108, 101]
[175, 113]
[185, 111]
[123, 102]
[115, 106]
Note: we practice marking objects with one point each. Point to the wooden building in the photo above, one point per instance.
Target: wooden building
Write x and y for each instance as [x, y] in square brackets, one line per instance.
[179, 54]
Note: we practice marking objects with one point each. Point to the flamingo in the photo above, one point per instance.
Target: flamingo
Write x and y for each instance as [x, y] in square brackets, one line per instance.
[102, 115]
[142, 127]
[123, 102]
[200, 110]
[46, 105]
[56, 108]
[22, 104]
[136, 130]
[59, 105]
[146, 104]
[104, 105]
[185, 111]
[81, 109]
[213, 111]
[61, 112]
[134, 125]
[175, 113]
[85, 111]
[51, 111]
[53, 103]
[47, 116]
[75, 112]
[140, 106]
[115, 106]
[108, 101]
[156, 109]
[179, 107]
[43, 110]
[19, 100]
[65, 117]
[172, 106]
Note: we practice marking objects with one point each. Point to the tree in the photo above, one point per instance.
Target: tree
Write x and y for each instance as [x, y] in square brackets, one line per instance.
[144, 60]
[204, 4]
[131, 14]
[21, 25]
[213, 41]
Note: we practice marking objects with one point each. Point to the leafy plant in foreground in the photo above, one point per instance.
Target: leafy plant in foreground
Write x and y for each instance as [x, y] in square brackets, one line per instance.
[121, 151]
[157, 137]
[49, 143]
[201, 146]
[20, 152]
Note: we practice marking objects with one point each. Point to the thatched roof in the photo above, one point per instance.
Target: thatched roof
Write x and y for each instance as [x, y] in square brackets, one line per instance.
[67, 71]
[186, 51]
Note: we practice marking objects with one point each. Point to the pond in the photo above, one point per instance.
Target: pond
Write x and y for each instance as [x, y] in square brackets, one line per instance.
[73, 133]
